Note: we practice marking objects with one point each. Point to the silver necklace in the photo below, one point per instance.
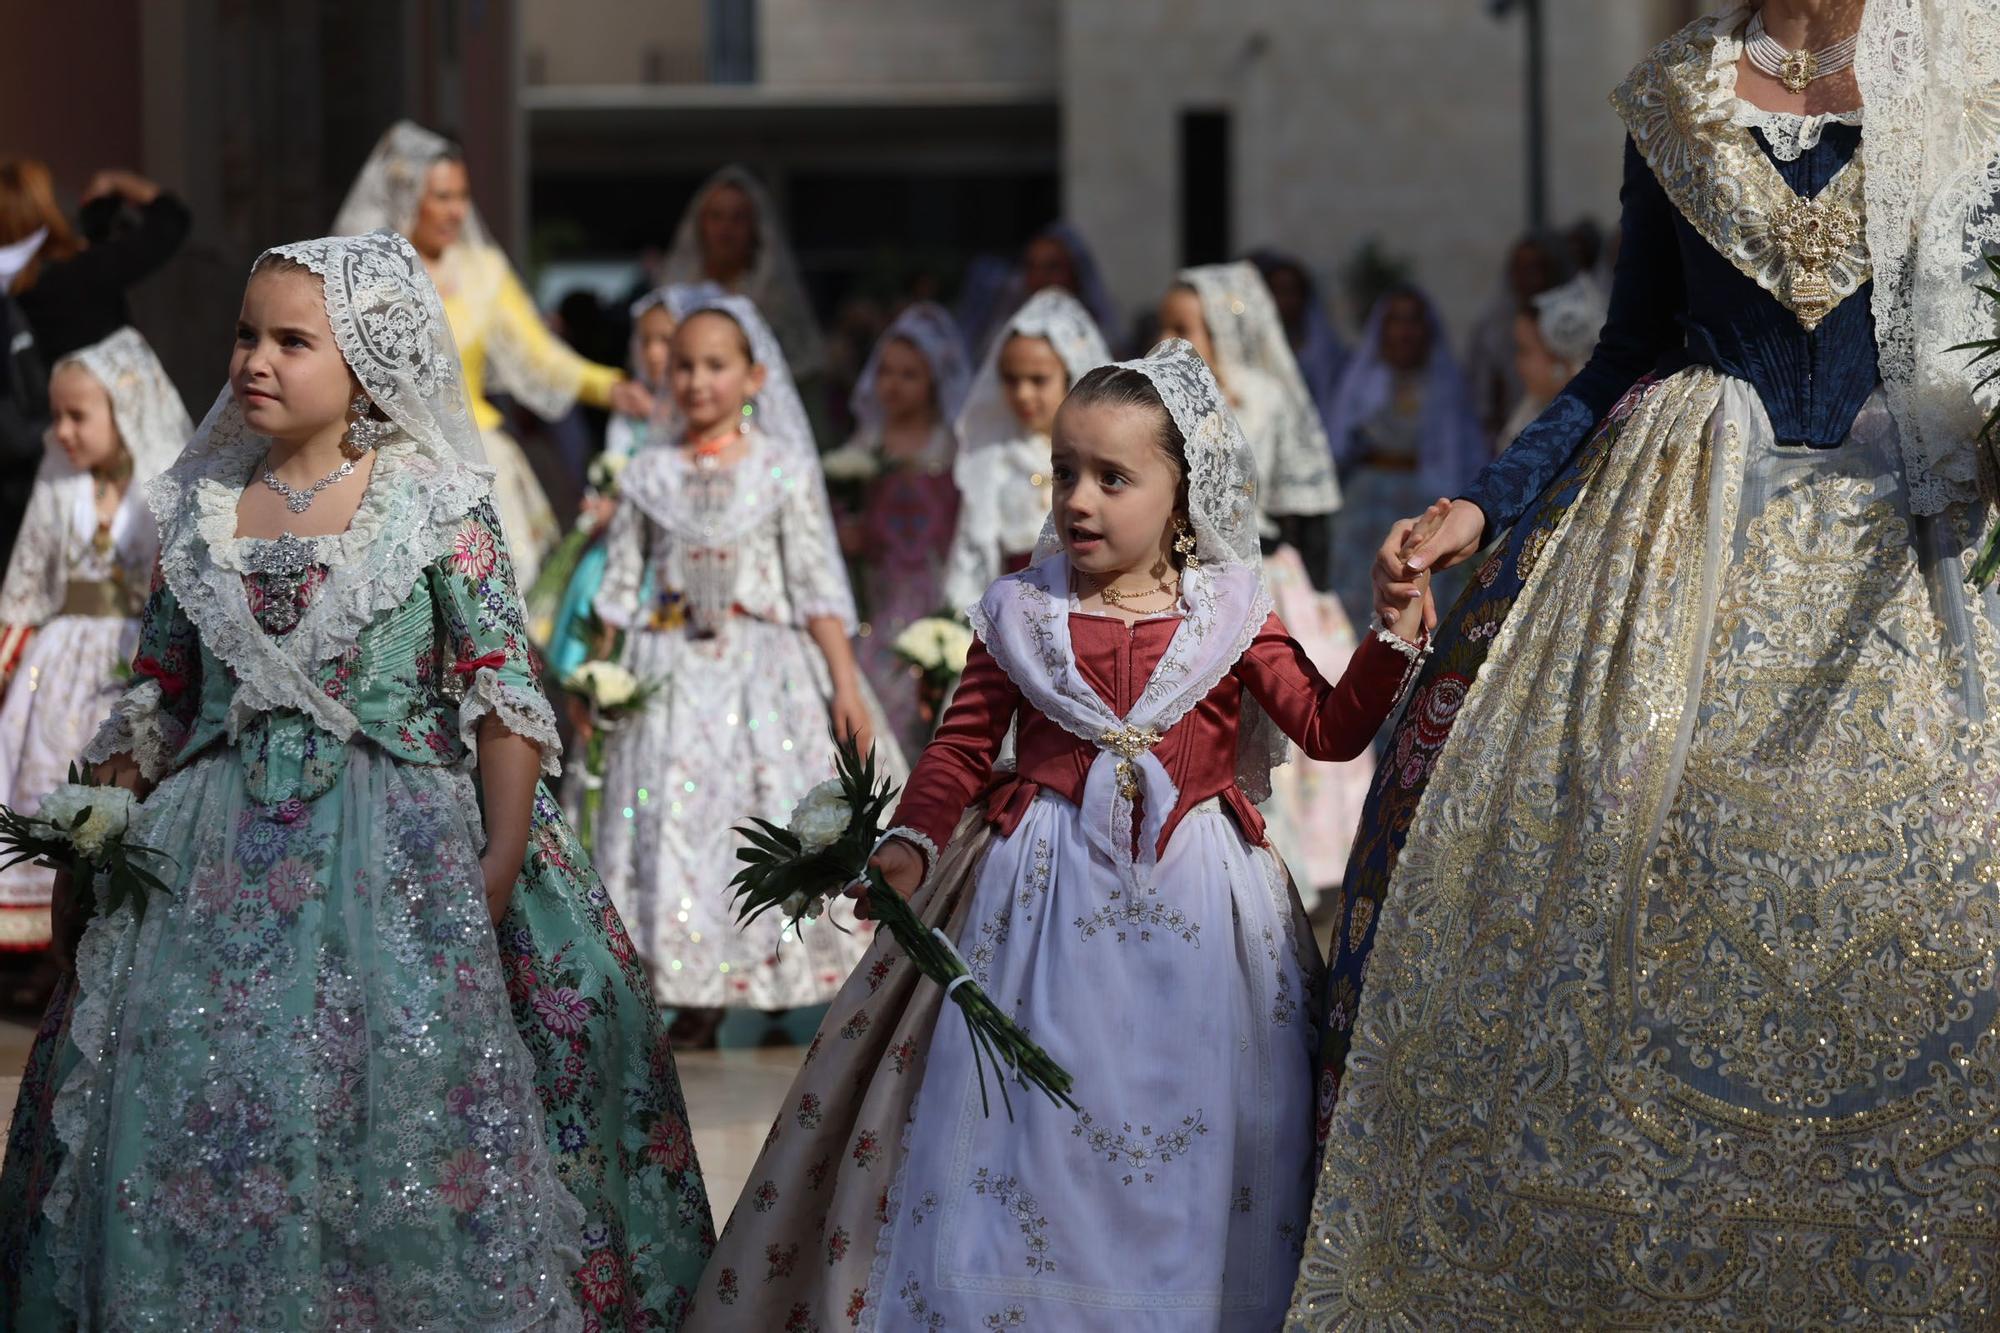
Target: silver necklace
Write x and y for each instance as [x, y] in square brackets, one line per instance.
[300, 501]
[1796, 69]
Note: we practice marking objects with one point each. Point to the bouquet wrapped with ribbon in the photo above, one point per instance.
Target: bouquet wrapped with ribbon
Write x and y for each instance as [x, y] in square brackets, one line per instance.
[81, 828]
[612, 694]
[824, 851]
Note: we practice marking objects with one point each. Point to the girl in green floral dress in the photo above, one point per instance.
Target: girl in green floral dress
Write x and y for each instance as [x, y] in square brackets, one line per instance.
[383, 1056]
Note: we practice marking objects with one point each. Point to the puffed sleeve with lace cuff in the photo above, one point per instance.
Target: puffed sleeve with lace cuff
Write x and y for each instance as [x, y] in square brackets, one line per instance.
[487, 634]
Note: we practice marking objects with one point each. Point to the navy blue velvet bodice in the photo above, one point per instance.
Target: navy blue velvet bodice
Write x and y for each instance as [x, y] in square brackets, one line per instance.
[1676, 302]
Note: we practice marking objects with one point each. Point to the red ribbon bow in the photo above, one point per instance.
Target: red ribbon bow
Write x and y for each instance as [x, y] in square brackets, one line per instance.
[495, 659]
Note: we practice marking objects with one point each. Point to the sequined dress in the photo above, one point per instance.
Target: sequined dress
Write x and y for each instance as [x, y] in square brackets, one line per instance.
[1668, 990]
[313, 1085]
[713, 572]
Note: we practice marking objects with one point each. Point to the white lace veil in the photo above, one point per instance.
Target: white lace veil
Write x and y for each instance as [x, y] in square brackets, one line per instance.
[929, 328]
[777, 410]
[1929, 72]
[147, 408]
[391, 330]
[1052, 314]
[773, 281]
[384, 197]
[1222, 508]
[1296, 468]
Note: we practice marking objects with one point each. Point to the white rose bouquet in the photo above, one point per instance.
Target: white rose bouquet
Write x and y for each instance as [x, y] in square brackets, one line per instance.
[561, 564]
[849, 464]
[81, 828]
[824, 850]
[936, 648]
[613, 694]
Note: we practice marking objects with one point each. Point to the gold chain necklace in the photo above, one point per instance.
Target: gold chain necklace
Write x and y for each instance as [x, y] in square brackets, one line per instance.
[1113, 597]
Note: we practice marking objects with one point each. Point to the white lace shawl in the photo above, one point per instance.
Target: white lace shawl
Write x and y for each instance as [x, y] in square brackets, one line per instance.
[1052, 314]
[1024, 622]
[929, 328]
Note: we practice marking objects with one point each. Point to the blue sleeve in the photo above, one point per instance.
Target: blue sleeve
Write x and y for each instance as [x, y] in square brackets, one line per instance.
[1648, 295]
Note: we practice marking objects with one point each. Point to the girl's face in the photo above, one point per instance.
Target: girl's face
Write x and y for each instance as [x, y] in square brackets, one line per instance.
[712, 374]
[1047, 263]
[441, 209]
[1406, 334]
[1542, 374]
[81, 420]
[903, 382]
[1181, 317]
[727, 224]
[287, 372]
[1115, 491]
[1034, 381]
[655, 336]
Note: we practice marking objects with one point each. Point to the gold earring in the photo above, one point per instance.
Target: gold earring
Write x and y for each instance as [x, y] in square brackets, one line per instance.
[1185, 544]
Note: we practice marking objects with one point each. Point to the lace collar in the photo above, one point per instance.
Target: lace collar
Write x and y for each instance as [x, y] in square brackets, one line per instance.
[657, 482]
[1810, 254]
[1791, 134]
[406, 522]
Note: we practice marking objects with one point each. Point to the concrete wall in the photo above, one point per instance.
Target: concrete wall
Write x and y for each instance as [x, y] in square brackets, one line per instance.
[1395, 119]
[803, 43]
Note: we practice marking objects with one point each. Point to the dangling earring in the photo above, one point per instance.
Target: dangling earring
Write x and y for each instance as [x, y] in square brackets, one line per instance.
[1185, 544]
[743, 422]
[365, 433]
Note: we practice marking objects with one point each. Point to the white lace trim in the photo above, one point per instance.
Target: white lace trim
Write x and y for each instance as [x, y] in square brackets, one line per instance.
[524, 712]
[1929, 72]
[916, 838]
[1791, 134]
[1414, 654]
[408, 516]
[136, 728]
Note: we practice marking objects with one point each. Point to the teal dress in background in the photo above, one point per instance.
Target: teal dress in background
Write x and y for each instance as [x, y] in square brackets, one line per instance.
[305, 1088]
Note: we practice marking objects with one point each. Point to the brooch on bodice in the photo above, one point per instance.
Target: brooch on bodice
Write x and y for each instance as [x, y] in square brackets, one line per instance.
[1813, 234]
[1128, 743]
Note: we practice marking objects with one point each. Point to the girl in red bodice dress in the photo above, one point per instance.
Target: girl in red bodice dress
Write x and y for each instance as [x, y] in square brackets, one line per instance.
[1115, 894]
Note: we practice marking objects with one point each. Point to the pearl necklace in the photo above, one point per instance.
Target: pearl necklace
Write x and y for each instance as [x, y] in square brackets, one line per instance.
[1796, 69]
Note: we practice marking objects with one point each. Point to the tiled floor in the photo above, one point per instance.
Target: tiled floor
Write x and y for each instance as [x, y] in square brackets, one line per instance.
[731, 1096]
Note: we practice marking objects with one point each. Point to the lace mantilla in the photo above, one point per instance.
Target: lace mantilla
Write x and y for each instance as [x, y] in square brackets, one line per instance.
[1930, 77]
[1810, 254]
[928, 327]
[1052, 314]
[1791, 134]
[772, 283]
[392, 332]
[1294, 463]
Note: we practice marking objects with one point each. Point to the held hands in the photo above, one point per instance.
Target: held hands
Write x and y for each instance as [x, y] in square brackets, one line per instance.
[901, 867]
[1444, 535]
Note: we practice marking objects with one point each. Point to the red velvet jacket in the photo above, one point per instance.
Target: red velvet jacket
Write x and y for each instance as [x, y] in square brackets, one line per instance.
[1329, 722]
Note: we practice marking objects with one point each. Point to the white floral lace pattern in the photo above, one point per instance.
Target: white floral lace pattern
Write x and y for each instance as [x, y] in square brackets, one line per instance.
[524, 712]
[1791, 134]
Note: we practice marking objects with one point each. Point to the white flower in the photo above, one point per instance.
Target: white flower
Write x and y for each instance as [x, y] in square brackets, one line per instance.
[604, 471]
[110, 813]
[821, 817]
[605, 684]
[935, 643]
[803, 905]
[850, 463]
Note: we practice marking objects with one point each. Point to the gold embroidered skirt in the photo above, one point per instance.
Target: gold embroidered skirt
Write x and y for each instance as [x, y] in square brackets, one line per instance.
[1683, 1011]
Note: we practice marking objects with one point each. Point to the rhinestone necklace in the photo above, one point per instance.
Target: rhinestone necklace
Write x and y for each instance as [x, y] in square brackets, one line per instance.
[300, 501]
